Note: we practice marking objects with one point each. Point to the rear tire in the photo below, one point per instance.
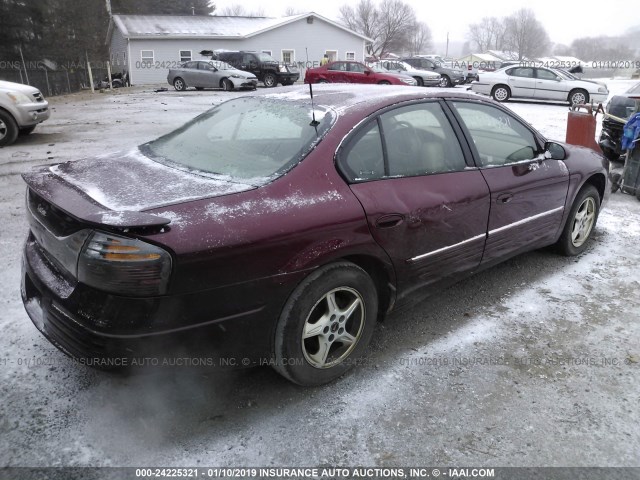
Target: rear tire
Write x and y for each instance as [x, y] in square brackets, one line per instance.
[384, 82]
[580, 222]
[326, 324]
[8, 129]
[179, 84]
[322, 80]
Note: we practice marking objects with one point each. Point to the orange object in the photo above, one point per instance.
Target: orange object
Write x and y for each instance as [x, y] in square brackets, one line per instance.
[581, 130]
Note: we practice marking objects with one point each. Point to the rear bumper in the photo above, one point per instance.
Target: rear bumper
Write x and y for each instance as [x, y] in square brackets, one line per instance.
[96, 328]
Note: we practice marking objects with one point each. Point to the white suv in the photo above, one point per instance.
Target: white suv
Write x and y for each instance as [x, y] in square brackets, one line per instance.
[22, 107]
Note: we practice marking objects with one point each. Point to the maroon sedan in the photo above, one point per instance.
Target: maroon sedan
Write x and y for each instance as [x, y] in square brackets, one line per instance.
[275, 232]
[355, 72]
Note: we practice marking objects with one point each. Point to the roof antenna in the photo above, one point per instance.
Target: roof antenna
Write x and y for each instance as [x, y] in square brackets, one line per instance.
[314, 123]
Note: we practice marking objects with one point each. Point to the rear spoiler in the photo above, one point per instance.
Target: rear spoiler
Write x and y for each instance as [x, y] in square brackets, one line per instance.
[80, 206]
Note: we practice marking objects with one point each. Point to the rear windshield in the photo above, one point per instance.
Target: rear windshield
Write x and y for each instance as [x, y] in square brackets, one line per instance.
[252, 139]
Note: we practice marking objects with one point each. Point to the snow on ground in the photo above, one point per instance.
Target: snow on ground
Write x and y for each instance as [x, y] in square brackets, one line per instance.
[533, 362]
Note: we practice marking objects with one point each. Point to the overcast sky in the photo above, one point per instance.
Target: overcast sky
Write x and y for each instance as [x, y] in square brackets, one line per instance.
[564, 20]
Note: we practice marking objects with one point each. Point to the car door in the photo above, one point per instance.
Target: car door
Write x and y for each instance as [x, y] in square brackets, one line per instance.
[521, 81]
[528, 191]
[210, 78]
[425, 205]
[550, 86]
[249, 63]
[189, 73]
[356, 73]
[337, 72]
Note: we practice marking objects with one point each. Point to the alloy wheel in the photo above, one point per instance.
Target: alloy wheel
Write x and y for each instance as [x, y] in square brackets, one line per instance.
[583, 222]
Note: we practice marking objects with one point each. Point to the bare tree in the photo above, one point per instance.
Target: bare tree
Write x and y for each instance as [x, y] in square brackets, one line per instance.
[602, 48]
[291, 11]
[488, 34]
[420, 38]
[525, 35]
[237, 10]
[389, 25]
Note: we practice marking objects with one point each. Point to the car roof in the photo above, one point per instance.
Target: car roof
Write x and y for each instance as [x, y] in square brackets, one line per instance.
[344, 96]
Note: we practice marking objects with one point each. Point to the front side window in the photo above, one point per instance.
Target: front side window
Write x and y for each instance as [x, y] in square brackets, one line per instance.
[356, 67]
[546, 74]
[418, 140]
[252, 139]
[499, 138]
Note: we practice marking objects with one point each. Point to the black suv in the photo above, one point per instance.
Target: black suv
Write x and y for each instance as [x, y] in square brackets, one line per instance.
[622, 106]
[262, 65]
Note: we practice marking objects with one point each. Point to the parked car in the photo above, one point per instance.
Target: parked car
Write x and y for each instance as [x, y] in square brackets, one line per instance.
[621, 106]
[262, 65]
[260, 234]
[22, 108]
[355, 72]
[422, 77]
[538, 83]
[450, 76]
[210, 74]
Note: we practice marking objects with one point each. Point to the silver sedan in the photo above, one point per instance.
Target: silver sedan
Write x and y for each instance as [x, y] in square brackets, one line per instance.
[210, 74]
[422, 77]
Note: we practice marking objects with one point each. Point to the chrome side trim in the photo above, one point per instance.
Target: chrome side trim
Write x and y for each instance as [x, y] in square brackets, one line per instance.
[444, 249]
[525, 220]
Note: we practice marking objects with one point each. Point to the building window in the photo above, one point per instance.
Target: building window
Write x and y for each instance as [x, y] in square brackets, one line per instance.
[146, 56]
[185, 55]
[288, 56]
[350, 56]
[268, 52]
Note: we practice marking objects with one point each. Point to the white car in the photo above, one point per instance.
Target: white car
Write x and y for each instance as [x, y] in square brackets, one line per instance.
[422, 77]
[22, 107]
[539, 83]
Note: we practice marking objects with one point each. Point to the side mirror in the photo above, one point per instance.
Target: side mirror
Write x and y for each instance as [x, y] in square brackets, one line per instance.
[367, 72]
[558, 79]
[554, 151]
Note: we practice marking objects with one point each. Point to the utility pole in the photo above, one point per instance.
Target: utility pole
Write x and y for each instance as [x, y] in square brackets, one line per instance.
[193, 10]
[108, 7]
[447, 52]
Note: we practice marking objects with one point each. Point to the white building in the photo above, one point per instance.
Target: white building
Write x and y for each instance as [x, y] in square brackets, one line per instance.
[146, 46]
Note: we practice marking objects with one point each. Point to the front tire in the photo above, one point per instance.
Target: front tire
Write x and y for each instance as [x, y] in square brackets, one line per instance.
[579, 97]
[270, 80]
[419, 81]
[179, 84]
[384, 82]
[501, 93]
[445, 81]
[8, 129]
[226, 84]
[581, 222]
[326, 324]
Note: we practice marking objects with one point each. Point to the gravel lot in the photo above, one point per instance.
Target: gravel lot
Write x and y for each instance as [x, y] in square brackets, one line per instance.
[532, 363]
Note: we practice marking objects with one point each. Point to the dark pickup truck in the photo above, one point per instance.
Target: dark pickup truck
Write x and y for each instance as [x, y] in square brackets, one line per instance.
[262, 65]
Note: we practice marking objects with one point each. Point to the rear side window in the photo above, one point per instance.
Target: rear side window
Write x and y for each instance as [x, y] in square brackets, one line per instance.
[404, 142]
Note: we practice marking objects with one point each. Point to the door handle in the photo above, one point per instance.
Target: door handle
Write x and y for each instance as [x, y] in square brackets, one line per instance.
[389, 221]
[504, 198]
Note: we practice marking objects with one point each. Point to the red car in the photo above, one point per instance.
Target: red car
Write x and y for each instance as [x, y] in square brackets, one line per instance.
[268, 231]
[355, 72]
